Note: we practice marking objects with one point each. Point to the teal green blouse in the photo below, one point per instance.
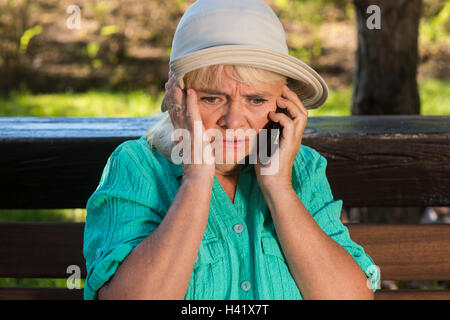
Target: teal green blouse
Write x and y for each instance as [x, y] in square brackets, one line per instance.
[239, 257]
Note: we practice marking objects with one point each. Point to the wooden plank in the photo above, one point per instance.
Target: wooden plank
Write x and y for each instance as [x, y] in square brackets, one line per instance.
[407, 252]
[66, 294]
[403, 252]
[49, 128]
[40, 294]
[123, 127]
[40, 250]
[387, 160]
[412, 295]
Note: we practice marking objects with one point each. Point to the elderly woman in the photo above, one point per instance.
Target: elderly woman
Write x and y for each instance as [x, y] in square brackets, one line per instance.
[221, 228]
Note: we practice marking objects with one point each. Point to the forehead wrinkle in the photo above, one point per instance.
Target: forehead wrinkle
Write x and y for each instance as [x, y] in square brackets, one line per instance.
[250, 95]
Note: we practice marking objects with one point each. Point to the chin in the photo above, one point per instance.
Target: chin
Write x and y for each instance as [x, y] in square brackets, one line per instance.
[228, 167]
[228, 159]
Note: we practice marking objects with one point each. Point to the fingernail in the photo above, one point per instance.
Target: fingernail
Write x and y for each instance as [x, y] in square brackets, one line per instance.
[189, 92]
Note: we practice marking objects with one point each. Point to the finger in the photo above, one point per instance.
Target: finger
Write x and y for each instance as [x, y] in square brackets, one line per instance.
[192, 106]
[180, 96]
[282, 119]
[175, 117]
[174, 96]
[291, 107]
[175, 102]
[171, 82]
[169, 96]
[194, 119]
[291, 95]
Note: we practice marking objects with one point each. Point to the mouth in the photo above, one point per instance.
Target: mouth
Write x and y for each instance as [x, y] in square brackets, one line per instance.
[233, 143]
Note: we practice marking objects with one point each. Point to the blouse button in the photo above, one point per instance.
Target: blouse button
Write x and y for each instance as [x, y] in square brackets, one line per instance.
[245, 285]
[238, 228]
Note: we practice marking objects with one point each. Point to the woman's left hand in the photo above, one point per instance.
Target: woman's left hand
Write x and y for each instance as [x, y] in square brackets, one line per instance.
[279, 175]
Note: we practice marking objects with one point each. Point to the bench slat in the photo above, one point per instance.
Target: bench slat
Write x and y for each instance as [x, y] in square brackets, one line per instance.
[412, 295]
[397, 161]
[66, 294]
[407, 252]
[403, 252]
[40, 249]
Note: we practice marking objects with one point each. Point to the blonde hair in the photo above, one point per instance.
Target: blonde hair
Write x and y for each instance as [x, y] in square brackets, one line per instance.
[159, 135]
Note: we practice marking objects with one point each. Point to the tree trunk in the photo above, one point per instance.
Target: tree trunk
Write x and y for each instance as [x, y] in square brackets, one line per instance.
[386, 59]
[385, 77]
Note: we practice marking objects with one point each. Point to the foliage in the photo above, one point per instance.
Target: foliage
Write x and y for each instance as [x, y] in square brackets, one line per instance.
[118, 36]
[60, 215]
[435, 29]
[27, 36]
[35, 283]
[434, 97]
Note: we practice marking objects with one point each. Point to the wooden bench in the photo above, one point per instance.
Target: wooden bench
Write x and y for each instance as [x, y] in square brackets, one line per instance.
[398, 161]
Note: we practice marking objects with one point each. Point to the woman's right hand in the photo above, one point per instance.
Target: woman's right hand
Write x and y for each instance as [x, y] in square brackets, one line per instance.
[184, 114]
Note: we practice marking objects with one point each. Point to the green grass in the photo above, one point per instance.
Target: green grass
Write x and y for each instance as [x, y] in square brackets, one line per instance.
[89, 104]
[434, 98]
[338, 104]
[59, 215]
[35, 283]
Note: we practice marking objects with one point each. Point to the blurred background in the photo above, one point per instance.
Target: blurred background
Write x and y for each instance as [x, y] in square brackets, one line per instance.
[115, 63]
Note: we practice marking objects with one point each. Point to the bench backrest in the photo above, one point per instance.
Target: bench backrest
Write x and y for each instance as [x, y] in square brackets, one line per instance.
[391, 161]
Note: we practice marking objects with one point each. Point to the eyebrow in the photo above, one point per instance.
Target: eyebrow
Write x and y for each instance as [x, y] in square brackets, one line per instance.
[259, 93]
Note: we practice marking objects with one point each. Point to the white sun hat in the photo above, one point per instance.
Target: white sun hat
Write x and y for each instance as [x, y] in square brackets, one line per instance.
[241, 32]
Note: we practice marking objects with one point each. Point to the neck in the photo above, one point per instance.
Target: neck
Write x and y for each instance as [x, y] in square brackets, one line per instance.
[228, 172]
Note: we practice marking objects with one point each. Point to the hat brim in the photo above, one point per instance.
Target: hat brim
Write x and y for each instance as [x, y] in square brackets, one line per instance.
[302, 79]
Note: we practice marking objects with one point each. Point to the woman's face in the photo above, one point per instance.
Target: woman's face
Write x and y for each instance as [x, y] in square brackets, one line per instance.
[236, 106]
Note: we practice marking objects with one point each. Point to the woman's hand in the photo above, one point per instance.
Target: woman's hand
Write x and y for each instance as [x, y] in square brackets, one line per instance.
[184, 113]
[289, 142]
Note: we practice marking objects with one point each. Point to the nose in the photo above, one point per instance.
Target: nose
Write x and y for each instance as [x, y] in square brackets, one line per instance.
[234, 116]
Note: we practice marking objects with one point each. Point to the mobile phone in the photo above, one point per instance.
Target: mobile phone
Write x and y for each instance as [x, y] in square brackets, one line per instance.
[271, 125]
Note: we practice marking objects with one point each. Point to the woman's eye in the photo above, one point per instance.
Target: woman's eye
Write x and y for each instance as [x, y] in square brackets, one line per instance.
[258, 101]
[255, 101]
[209, 99]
